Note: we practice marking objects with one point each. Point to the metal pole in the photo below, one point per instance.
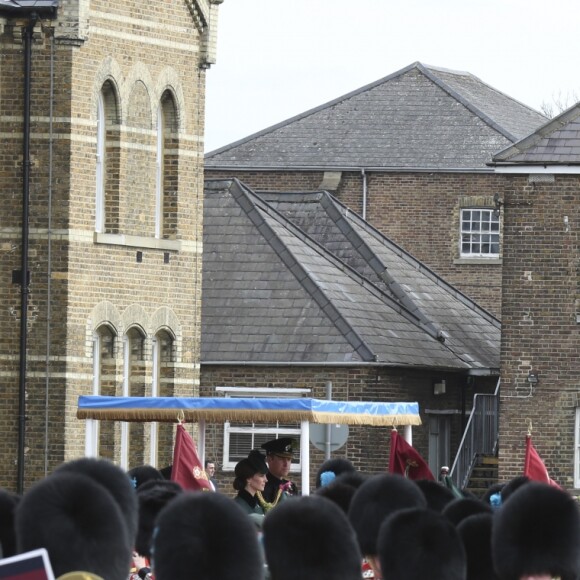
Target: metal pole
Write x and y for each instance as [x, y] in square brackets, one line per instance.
[328, 426]
[24, 282]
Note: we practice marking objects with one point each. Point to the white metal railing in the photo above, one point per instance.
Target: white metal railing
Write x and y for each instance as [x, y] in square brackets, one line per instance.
[479, 438]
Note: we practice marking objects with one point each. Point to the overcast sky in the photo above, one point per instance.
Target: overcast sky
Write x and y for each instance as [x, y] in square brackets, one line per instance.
[279, 58]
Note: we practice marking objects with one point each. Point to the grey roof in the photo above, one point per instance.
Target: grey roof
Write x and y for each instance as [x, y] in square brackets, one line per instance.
[44, 8]
[271, 293]
[420, 117]
[555, 143]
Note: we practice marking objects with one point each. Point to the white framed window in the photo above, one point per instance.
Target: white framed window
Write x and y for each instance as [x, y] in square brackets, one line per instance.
[479, 233]
[241, 438]
[577, 449]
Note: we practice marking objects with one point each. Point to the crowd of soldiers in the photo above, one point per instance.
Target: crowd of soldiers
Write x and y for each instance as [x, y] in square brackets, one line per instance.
[98, 521]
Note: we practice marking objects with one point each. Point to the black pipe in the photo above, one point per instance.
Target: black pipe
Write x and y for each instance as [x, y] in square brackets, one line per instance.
[27, 33]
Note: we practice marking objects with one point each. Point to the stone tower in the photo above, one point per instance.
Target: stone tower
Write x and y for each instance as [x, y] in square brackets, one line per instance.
[102, 124]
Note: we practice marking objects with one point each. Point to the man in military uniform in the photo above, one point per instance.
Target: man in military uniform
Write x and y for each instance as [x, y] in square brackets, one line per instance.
[279, 453]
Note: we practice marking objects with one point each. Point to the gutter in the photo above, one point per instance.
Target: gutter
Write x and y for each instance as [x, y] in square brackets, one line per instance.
[348, 168]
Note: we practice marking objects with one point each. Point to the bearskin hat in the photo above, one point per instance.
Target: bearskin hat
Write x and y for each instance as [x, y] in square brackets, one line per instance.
[79, 523]
[310, 538]
[205, 536]
[537, 532]
[419, 543]
[378, 497]
[475, 533]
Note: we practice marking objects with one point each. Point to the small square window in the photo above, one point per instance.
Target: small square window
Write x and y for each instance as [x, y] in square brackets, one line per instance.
[479, 233]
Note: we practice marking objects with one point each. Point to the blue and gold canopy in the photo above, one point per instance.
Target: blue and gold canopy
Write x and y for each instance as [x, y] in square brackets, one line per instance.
[219, 409]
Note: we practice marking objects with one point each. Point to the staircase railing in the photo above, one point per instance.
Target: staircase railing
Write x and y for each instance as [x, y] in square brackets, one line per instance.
[479, 438]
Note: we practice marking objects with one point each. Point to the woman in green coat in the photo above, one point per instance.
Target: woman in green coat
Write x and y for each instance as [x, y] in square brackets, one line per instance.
[250, 478]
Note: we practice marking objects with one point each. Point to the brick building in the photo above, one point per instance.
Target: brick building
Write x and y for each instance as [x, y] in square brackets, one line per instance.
[115, 116]
[299, 293]
[540, 361]
[408, 153]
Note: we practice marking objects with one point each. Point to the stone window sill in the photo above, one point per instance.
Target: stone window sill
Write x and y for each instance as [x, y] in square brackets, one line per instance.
[137, 242]
[479, 261]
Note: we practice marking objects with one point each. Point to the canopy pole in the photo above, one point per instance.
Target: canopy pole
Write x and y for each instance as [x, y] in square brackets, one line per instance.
[305, 456]
[408, 434]
[201, 441]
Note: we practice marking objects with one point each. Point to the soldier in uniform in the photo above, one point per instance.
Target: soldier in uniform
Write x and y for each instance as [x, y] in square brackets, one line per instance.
[279, 454]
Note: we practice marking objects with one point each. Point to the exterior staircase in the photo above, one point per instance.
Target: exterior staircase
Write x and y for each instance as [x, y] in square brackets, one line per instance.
[483, 475]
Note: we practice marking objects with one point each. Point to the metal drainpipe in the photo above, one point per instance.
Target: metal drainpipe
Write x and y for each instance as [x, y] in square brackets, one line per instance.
[24, 289]
[364, 192]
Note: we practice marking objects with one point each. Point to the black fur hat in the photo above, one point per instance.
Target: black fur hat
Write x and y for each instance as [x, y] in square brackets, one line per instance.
[475, 533]
[513, 485]
[115, 480]
[152, 497]
[462, 508]
[205, 536]
[310, 538]
[143, 474]
[378, 497]
[419, 543]
[537, 532]
[436, 494]
[78, 522]
[338, 465]
[8, 503]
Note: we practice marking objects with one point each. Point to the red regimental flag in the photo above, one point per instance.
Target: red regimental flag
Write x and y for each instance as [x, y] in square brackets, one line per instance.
[534, 467]
[405, 460]
[187, 469]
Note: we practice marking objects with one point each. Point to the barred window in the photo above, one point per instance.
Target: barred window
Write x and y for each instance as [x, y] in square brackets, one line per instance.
[241, 438]
[479, 233]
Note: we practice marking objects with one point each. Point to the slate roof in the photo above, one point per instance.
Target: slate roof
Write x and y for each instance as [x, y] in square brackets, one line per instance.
[557, 142]
[272, 294]
[419, 118]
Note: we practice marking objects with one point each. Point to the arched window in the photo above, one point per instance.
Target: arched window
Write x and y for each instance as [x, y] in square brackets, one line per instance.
[162, 386]
[134, 376]
[102, 438]
[166, 170]
[107, 162]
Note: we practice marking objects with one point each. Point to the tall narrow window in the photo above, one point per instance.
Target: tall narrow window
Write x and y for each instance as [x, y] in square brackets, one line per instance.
[100, 169]
[159, 189]
[134, 374]
[107, 162]
[163, 386]
[167, 168]
[104, 383]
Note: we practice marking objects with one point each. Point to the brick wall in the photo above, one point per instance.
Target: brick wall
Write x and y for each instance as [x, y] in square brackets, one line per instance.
[367, 447]
[418, 211]
[540, 329]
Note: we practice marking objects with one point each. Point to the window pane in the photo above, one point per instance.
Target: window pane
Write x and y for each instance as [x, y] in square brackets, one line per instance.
[477, 238]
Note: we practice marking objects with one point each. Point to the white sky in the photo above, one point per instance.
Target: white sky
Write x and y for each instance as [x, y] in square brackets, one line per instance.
[279, 58]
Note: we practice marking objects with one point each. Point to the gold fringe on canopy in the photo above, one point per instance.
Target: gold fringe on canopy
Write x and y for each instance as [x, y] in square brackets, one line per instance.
[245, 416]
[365, 419]
[209, 415]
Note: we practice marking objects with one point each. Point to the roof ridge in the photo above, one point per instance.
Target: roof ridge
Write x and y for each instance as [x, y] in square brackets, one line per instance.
[244, 194]
[312, 111]
[420, 266]
[397, 306]
[431, 327]
[467, 104]
[545, 130]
